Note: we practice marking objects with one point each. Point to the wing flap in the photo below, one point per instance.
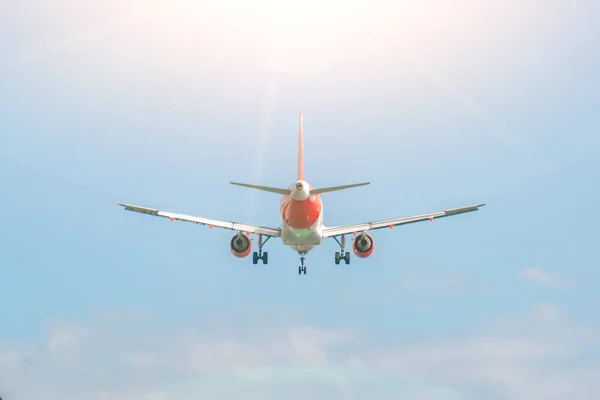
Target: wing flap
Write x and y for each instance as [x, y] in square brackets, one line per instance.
[390, 223]
[261, 230]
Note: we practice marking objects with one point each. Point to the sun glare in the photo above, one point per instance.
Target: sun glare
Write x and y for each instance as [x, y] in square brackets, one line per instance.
[301, 37]
[309, 37]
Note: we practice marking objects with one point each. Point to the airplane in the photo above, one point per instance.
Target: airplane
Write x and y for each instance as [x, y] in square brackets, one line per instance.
[302, 228]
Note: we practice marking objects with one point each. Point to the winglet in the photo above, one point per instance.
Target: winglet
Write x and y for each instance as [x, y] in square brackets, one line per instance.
[300, 151]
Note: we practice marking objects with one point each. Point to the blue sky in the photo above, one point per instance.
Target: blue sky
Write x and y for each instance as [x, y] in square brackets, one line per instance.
[439, 105]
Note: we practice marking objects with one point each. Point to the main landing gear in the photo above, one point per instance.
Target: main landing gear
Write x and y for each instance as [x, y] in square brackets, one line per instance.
[339, 255]
[260, 255]
[302, 267]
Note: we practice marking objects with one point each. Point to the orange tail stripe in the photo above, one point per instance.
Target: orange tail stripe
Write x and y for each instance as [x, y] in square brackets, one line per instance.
[300, 151]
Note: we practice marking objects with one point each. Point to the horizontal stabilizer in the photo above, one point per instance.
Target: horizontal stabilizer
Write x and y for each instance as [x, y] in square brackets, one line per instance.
[336, 188]
[286, 192]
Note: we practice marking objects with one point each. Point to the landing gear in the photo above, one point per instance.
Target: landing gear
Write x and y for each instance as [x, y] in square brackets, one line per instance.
[302, 267]
[260, 255]
[339, 255]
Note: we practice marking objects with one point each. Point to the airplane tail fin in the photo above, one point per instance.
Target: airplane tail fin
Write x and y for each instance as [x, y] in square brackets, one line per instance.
[301, 166]
[288, 192]
[300, 151]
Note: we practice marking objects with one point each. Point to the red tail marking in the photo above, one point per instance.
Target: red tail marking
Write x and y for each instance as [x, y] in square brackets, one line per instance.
[300, 151]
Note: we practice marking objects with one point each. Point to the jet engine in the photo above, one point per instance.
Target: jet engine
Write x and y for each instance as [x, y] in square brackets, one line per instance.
[363, 245]
[240, 245]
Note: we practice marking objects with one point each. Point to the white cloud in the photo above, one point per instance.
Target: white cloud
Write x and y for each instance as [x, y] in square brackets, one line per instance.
[548, 313]
[516, 358]
[545, 277]
[67, 339]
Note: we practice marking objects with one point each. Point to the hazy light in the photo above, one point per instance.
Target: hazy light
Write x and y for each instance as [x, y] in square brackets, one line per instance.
[301, 37]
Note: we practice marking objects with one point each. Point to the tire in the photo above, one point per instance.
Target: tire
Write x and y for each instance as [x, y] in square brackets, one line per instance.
[265, 258]
[338, 257]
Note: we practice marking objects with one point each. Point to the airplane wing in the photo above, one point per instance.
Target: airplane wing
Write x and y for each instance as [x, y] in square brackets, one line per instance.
[390, 223]
[236, 226]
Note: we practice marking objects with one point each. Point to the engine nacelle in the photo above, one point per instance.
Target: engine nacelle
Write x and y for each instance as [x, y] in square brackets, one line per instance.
[240, 246]
[363, 246]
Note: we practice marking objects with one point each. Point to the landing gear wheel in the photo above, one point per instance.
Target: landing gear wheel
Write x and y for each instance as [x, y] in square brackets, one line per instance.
[339, 255]
[302, 267]
[260, 255]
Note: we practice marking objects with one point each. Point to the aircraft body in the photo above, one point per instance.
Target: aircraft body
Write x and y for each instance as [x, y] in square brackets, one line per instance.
[301, 228]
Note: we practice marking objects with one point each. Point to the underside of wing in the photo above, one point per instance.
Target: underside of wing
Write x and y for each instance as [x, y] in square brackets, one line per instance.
[390, 223]
[236, 226]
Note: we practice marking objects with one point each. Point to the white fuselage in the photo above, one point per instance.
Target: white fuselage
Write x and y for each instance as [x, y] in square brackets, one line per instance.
[302, 240]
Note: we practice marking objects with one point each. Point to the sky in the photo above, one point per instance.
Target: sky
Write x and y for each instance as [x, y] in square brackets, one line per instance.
[439, 104]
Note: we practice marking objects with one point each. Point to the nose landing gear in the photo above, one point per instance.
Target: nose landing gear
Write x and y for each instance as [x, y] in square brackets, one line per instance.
[302, 267]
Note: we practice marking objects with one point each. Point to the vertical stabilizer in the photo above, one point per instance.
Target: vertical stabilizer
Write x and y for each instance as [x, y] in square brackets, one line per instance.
[300, 152]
